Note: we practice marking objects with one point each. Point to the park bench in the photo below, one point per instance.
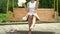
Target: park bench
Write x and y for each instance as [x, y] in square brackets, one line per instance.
[45, 14]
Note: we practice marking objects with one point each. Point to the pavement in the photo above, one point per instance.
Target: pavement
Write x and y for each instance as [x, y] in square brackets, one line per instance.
[41, 28]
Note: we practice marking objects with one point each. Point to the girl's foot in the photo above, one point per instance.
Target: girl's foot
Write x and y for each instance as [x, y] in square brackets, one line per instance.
[32, 26]
[29, 32]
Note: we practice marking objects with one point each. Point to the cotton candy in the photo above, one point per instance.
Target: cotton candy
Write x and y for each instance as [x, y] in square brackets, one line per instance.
[20, 2]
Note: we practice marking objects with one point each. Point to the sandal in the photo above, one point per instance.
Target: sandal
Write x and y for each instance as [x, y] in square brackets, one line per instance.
[12, 30]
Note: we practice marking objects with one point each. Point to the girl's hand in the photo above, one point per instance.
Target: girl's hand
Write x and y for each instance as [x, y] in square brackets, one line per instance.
[23, 4]
[25, 7]
[37, 3]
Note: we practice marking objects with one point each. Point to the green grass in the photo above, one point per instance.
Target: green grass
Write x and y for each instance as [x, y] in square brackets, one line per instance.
[2, 17]
[58, 20]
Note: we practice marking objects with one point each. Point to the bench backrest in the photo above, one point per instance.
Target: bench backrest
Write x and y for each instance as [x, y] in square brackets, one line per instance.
[44, 14]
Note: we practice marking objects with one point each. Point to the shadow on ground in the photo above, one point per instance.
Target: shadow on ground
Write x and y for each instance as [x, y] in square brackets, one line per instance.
[33, 32]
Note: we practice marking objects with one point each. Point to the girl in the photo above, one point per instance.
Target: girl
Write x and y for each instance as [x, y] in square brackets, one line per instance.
[31, 8]
[31, 15]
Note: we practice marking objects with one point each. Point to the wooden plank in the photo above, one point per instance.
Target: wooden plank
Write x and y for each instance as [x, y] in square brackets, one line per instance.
[44, 14]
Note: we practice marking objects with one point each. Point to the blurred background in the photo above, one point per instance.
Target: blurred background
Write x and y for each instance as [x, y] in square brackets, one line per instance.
[58, 10]
[6, 5]
[3, 4]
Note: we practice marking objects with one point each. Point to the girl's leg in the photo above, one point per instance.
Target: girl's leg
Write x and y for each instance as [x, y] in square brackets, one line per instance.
[30, 22]
[33, 22]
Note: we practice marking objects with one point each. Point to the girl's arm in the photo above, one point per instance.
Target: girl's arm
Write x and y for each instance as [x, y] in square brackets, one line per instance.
[26, 7]
[37, 3]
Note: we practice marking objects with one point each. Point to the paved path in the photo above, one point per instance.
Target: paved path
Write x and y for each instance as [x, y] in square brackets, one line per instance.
[45, 28]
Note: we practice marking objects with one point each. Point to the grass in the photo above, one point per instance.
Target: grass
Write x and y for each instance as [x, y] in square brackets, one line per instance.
[2, 17]
[58, 20]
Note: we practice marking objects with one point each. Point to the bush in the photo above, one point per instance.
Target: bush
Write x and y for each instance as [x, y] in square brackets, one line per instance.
[2, 17]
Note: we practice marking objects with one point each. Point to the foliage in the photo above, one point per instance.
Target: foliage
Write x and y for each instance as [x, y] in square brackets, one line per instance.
[2, 6]
[42, 4]
[2, 17]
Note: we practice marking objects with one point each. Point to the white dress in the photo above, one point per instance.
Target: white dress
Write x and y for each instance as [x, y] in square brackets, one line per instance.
[32, 10]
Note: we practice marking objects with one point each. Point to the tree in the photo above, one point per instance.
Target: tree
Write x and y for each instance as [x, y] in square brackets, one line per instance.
[42, 4]
[59, 7]
[2, 6]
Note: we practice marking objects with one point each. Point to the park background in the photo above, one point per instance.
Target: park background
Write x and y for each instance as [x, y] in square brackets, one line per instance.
[13, 4]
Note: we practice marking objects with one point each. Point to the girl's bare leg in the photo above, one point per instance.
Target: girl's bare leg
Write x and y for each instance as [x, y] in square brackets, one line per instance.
[30, 22]
[33, 22]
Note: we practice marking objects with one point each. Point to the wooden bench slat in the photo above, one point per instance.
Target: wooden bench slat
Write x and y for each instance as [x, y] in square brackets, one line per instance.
[44, 14]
